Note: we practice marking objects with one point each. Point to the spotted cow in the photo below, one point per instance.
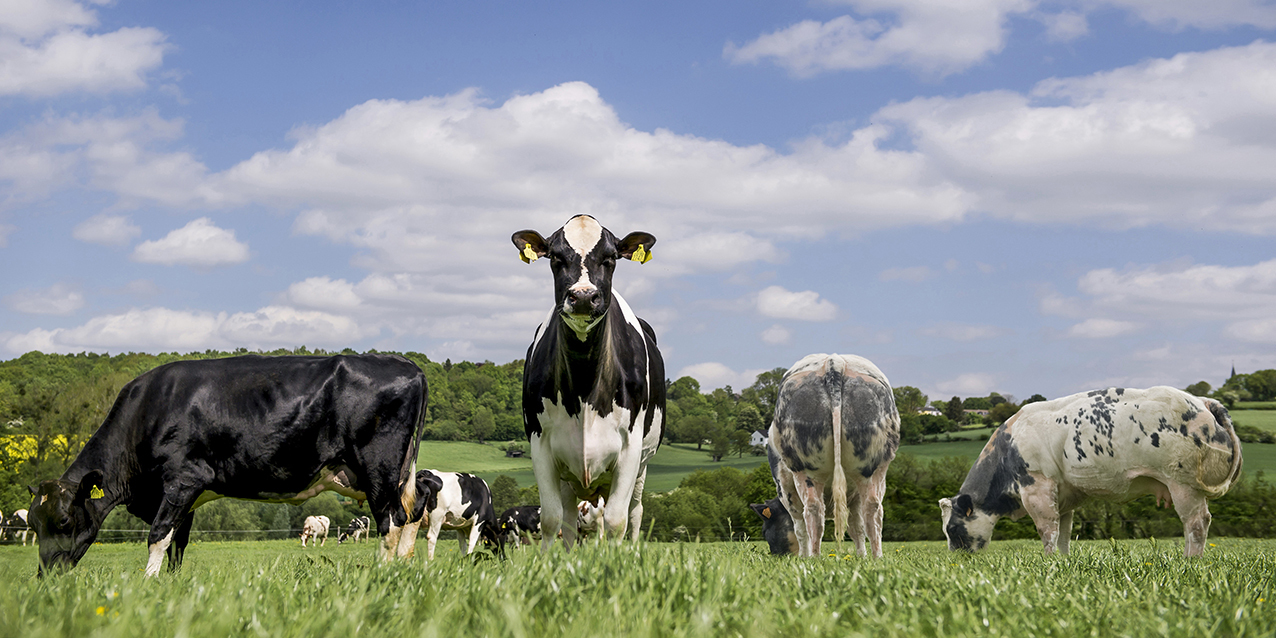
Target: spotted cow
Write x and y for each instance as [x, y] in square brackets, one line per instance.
[593, 382]
[1115, 444]
[279, 429]
[455, 500]
[17, 526]
[315, 528]
[835, 426]
[518, 524]
[589, 516]
[359, 527]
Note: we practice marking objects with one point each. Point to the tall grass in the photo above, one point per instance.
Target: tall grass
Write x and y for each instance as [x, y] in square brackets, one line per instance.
[274, 588]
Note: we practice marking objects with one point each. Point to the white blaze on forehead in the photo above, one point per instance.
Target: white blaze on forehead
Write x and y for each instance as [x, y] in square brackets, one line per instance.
[582, 233]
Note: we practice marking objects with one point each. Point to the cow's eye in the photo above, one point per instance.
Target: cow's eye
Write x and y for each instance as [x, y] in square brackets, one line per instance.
[609, 262]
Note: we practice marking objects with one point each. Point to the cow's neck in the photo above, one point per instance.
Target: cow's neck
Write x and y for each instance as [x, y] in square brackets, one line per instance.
[584, 364]
[110, 453]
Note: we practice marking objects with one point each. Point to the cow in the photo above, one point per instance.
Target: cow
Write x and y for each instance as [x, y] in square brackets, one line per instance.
[455, 500]
[1115, 444]
[277, 429]
[18, 526]
[593, 382]
[589, 516]
[517, 524]
[359, 527]
[835, 425]
[316, 529]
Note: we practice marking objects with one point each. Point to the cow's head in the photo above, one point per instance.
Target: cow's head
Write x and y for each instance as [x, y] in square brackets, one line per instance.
[427, 493]
[582, 255]
[777, 527]
[966, 525]
[64, 521]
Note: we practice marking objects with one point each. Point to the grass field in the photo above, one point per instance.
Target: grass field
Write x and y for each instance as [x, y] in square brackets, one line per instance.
[275, 588]
[1261, 419]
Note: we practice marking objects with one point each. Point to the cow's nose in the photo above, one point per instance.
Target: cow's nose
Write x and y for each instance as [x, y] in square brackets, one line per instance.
[582, 300]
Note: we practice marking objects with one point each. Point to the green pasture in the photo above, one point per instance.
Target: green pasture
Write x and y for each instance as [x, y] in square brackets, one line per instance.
[275, 588]
[1261, 419]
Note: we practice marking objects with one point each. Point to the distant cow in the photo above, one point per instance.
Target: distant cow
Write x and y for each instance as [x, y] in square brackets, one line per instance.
[455, 500]
[1115, 444]
[835, 423]
[279, 429]
[18, 526]
[315, 528]
[517, 524]
[589, 516]
[593, 382]
[359, 527]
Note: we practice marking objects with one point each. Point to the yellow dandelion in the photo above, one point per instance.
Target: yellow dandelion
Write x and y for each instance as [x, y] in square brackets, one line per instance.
[1213, 545]
[101, 611]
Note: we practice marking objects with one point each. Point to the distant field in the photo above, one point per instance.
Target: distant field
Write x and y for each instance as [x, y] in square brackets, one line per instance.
[275, 588]
[1256, 405]
[1261, 419]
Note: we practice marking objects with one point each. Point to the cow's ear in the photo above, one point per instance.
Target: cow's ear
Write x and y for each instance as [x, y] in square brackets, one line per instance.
[531, 246]
[90, 487]
[964, 504]
[34, 492]
[637, 246]
[761, 509]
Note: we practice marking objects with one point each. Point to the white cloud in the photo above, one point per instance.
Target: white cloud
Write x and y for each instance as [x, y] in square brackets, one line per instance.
[59, 299]
[775, 301]
[1215, 14]
[105, 229]
[964, 332]
[1099, 328]
[164, 329]
[776, 335]
[914, 274]
[1255, 330]
[933, 37]
[46, 51]
[199, 243]
[970, 384]
[1064, 26]
[713, 375]
[1185, 292]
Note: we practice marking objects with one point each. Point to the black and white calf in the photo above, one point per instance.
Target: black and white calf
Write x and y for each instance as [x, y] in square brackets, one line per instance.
[455, 500]
[518, 524]
[593, 383]
[1115, 444]
[360, 526]
[279, 429]
[835, 425]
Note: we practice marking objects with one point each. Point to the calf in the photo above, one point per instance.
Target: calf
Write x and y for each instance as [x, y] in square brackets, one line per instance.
[835, 423]
[454, 500]
[1115, 444]
[518, 524]
[315, 528]
[589, 516]
[18, 526]
[279, 429]
[359, 526]
[593, 382]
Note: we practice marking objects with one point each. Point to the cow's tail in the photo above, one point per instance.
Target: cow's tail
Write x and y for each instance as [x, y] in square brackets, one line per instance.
[1212, 466]
[840, 510]
[407, 470]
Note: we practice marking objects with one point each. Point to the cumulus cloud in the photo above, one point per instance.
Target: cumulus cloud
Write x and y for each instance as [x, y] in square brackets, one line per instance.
[199, 243]
[775, 301]
[105, 229]
[179, 330]
[969, 384]
[58, 299]
[934, 37]
[46, 50]
[713, 375]
[1064, 26]
[776, 335]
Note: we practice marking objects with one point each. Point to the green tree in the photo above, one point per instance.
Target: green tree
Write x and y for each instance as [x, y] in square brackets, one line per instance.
[764, 392]
[953, 409]
[748, 418]
[505, 493]
[483, 424]
[1200, 389]
[1036, 398]
[1000, 412]
[909, 399]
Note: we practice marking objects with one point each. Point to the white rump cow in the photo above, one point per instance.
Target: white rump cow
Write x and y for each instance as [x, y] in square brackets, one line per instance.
[835, 423]
[316, 529]
[1115, 444]
[593, 383]
[459, 501]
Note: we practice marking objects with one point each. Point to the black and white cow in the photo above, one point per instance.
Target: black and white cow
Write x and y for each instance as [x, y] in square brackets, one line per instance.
[593, 383]
[455, 500]
[360, 526]
[589, 517]
[835, 425]
[279, 429]
[1115, 444]
[315, 528]
[518, 524]
[17, 526]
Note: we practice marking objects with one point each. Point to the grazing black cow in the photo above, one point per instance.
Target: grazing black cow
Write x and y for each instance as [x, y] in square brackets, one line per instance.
[518, 524]
[279, 429]
[455, 500]
[593, 383]
[359, 526]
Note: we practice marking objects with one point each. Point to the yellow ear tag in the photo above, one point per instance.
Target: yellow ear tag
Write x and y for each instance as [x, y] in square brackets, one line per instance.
[641, 255]
[528, 255]
[96, 492]
[766, 512]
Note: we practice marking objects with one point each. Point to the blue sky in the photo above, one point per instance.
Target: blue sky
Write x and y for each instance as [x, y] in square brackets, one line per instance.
[990, 195]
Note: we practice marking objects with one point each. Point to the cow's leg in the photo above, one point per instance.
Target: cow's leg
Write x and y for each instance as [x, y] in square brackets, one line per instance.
[1041, 501]
[874, 492]
[793, 502]
[1065, 531]
[547, 482]
[855, 520]
[635, 508]
[432, 534]
[177, 550]
[571, 521]
[620, 500]
[475, 531]
[174, 507]
[1194, 511]
[812, 495]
